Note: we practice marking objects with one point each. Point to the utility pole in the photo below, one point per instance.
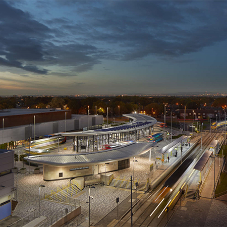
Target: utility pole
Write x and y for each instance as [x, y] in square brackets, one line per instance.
[201, 142]
[225, 131]
[181, 151]
[131, 201]
[165, 114]
[184, 117]
[107, 117]
[88, 118]
[171, 127]
[34, 127]
[214, 175]
[210, 126]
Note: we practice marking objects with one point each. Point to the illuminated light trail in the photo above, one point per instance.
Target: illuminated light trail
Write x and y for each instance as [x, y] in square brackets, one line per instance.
[164, 209]
[156, 207]
[161, 193]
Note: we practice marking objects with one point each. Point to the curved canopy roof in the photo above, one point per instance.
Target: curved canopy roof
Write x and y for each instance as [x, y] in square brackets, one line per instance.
[94, 157]
[140, 121]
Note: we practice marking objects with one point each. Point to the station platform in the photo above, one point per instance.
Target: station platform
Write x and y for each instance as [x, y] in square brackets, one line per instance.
[206, 211]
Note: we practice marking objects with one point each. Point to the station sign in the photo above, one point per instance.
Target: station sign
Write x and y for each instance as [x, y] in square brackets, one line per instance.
[79, 168]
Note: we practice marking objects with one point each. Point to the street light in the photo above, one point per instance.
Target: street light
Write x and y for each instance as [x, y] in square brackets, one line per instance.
[119, 110]
[165, 114]
[193, 115]
[210, 126]
[225, 131]
[40, 186]
[134, 160]
[65, 121]
[89, 201]
[3, 125]
[171, 127]
[107, 116]
[133, 166]
[88, 118]
[34, 127]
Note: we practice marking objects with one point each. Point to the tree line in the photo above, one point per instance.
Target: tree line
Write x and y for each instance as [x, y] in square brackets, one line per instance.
[153, 105]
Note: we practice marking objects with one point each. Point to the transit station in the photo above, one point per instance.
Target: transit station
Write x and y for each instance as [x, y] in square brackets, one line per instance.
[95, 160]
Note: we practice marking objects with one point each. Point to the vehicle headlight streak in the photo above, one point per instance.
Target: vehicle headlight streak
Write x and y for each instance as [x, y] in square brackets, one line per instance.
[161, 193]
[157, 207]
[164, 209]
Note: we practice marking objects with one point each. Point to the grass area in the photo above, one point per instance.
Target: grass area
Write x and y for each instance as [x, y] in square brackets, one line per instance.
[222, 186]
[224, 148]
[176, 137]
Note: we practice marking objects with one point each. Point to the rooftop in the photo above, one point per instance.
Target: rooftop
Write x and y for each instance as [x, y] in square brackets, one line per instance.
[15, 111]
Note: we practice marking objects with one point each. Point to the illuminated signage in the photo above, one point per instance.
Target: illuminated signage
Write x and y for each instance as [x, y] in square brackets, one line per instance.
[79, 168]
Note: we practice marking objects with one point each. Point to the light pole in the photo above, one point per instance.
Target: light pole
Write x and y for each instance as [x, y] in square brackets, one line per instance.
[88, 118]
[214, 173]
[3, 122]
[201, 142]
[171, 126]
[40, 186]
[95, 110]
[89, 201]
[34, 127]
[210, 126]
[193, 121]
[65, 121]
[150, 156]
[184, 117]
[29, 151]
[165, 114]
[225, 131]
[131, 200]
[107, 117]
[119, 110]
[133, 166]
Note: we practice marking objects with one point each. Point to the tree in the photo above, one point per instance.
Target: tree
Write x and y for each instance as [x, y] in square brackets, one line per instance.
[57, 102]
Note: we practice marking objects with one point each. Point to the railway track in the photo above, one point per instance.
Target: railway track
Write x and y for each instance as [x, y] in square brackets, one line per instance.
[147, 211]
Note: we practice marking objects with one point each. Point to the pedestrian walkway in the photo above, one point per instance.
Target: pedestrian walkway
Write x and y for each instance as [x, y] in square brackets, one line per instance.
[141, 164]
[207, 211]
[208, 188]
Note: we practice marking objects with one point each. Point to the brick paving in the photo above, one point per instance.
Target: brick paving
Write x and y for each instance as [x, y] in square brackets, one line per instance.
[104, 197]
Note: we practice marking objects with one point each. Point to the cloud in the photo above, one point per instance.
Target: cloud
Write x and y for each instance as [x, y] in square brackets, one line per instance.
[29, 44]
[163, 28]
[18, 64]
[105, 30]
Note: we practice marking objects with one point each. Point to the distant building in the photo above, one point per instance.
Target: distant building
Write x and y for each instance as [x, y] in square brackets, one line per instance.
[201, 114]
[6, 182]
[21, 124]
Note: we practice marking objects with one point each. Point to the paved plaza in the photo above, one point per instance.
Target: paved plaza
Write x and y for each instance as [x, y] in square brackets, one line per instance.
[104, 197]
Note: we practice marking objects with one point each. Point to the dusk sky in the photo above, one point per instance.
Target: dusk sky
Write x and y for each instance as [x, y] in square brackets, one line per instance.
[112, 47]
